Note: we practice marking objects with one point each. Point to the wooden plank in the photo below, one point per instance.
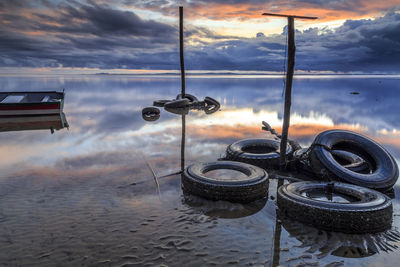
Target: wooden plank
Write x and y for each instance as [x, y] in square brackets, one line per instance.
[288, 16]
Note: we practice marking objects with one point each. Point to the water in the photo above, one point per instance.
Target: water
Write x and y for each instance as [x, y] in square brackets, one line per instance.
[86, 196]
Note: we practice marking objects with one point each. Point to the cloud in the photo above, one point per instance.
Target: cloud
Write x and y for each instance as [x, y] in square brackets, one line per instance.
[326, 10]
[85, 36]
[95, 35]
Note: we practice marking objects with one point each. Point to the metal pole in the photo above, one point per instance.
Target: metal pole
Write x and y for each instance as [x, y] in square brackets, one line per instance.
[181, 51]
[288, 92]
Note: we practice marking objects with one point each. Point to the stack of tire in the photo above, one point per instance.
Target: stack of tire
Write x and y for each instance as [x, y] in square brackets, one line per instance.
[346, 164]
[343, 163]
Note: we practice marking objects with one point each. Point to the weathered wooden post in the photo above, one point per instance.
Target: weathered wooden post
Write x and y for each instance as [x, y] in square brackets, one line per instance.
[286, 117]
[183, 89]
[289, 80]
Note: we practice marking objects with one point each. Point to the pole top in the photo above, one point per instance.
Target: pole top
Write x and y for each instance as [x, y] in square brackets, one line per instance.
[288, 16]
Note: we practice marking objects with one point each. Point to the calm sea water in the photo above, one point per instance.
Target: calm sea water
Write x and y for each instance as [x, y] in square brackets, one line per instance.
[86, 196]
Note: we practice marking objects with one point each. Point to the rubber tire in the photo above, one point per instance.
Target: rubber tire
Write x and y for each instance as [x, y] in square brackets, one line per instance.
[236, 152]
[181, 103]
[302, 165]
[356, 163]
[190, 97]
[195, 181]
[150, 114]
[160, 103]
[384, 173]
[371, 214]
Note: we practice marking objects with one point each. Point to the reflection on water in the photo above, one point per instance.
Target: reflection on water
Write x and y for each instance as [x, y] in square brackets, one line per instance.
[324, 243]
[86, 196]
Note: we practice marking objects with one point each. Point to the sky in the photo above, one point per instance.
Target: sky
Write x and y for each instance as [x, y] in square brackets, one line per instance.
[130, 36]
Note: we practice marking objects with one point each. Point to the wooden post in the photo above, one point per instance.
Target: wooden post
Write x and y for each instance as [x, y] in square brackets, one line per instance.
[289, 80]
[288, 92]
[183, 89]
[286, 118]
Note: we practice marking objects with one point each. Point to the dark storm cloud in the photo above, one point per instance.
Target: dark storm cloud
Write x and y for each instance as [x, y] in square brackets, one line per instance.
[81, 36]
[99, 36]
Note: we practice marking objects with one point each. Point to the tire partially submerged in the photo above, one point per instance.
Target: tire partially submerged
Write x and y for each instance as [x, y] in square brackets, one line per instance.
[383, 168]
[252, 185]
[352, 209]
[263, 153]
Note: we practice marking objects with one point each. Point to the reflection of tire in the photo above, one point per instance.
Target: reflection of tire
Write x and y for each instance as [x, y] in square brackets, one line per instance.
[150, 114]
[365, 211]
[260, 152]
[254, 186]
[224, 209]
[384, 170]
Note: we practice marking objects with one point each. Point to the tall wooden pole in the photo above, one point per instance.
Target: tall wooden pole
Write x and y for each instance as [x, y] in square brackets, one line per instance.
[288, 92]
[289, 80]
[286, 117]
[183, 89]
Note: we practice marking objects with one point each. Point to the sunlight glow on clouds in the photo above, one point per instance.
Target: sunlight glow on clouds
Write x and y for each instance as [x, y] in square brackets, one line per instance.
[231, 35]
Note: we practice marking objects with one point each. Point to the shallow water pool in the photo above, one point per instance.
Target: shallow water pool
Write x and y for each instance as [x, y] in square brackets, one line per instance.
[87, 195]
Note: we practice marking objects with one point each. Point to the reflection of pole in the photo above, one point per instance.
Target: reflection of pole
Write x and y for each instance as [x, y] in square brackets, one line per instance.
[277, 235]
[181, 51]
[288, 92]
[277, 243]
[183, 143]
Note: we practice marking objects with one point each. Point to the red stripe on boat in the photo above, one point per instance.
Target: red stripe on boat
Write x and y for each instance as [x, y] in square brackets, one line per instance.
[28, 107]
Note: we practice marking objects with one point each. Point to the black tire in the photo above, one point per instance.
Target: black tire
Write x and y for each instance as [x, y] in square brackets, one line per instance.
[301, 164]
[253, 187]
[384, 170]
[263, 153]
[150, 114]
[368, 211]
[211, 105]
[351, 161]
[181, 103]
[190, 97]
[160, 103]
[347, 159]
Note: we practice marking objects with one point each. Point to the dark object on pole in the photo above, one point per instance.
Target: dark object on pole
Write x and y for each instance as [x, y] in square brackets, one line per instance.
[181, 50]
[289, 79]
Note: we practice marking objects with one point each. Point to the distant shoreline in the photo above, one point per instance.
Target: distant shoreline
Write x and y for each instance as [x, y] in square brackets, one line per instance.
[239, 75]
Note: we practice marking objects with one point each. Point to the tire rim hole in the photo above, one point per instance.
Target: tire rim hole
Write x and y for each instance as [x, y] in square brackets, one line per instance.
[226, 175]
[358, 150]
[335, 196]
[258, 149]
[342, 161]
